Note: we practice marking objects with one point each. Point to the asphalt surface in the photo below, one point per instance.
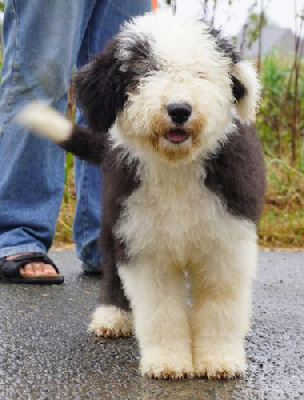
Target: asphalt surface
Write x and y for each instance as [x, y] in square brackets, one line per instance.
[46, 352]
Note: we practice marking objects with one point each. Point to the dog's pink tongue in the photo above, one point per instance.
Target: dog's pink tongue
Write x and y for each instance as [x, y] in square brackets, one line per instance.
[177, 136]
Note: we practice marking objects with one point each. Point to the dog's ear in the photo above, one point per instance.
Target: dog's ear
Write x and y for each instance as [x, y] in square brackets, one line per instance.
[99, 89]
[246, 90]
[245, 83]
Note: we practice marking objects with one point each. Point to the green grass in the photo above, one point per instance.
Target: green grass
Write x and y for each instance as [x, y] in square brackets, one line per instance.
[275, 119]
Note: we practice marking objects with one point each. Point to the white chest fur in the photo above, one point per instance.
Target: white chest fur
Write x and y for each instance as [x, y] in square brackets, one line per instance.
[174, 217]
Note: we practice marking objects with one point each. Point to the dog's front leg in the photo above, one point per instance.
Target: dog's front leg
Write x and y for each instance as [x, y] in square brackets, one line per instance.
[221, 312]
[158, 302]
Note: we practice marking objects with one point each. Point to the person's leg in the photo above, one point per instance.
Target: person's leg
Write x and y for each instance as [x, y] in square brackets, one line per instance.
[41, 42]
[106, 19]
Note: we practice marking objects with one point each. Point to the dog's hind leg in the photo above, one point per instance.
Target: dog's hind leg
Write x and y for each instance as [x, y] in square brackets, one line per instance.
[113, 317]
[110, 321]
[160, 312]
[221, 290]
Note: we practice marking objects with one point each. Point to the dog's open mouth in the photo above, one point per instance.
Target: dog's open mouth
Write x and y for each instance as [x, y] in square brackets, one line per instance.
[177, 136]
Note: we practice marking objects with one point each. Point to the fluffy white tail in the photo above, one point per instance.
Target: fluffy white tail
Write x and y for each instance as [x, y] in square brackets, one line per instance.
[45, 121]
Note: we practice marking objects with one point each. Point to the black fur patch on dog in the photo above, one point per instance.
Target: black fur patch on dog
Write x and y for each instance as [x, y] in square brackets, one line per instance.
[100, 89]
[238, 89]
[119, 181]
[102, 86]
[237, 175]
[84, 144]
[140, 61]
[225, 46]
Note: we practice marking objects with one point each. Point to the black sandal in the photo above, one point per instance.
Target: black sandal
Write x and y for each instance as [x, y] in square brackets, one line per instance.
[10, 270]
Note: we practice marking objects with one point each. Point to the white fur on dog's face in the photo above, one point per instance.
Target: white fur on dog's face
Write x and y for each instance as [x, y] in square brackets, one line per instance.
[188, 69]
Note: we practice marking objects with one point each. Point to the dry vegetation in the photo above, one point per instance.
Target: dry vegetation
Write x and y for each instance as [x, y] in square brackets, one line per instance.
[64, 229]
[282, 222]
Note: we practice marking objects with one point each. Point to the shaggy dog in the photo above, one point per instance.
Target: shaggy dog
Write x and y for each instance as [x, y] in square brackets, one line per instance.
[170, 105]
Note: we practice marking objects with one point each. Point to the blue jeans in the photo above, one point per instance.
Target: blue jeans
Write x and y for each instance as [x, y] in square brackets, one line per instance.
[43, 42]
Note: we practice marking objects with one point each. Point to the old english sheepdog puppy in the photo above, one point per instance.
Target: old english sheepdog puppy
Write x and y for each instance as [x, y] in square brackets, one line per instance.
[170, 105]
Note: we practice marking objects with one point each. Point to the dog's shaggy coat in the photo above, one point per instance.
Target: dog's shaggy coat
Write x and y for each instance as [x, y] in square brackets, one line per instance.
[170, 106]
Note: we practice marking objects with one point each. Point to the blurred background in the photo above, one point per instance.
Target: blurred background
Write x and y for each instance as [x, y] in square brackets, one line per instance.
[271, 34]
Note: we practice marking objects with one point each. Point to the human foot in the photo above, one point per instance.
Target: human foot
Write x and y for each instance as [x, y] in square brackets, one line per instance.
[30, 268]
[35, 269]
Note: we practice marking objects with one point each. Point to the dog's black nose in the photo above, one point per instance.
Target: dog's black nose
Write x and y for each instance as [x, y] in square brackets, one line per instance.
[179, 112]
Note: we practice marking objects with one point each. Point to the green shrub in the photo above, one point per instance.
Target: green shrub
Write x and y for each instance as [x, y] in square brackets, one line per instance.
[276, 116]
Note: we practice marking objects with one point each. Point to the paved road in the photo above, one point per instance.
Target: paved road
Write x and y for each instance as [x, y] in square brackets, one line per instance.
[45, 352]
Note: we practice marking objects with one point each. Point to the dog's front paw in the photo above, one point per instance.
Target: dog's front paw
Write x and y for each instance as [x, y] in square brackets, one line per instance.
[111, 322]
[161, 364]
[225, 363]
[220, 361]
